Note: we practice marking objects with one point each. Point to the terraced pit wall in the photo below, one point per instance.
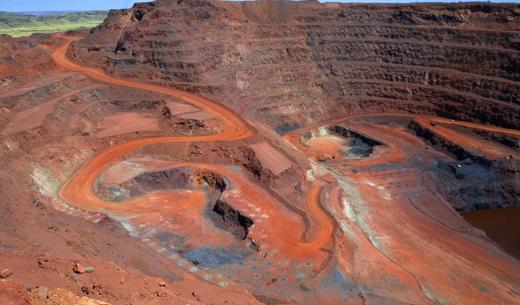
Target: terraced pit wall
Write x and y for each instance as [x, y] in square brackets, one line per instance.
[299, 62]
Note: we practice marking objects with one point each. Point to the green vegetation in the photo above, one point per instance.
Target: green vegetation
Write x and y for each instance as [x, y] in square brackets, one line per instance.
[18, 25]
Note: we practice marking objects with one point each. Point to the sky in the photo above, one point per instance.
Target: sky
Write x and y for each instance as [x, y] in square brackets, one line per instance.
[62, 5]
[79, 5]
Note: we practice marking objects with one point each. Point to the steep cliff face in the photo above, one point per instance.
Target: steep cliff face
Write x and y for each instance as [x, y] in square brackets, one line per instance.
[299, 62]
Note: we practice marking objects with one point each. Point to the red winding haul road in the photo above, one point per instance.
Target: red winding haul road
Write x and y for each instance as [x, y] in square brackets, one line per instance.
[78, 191]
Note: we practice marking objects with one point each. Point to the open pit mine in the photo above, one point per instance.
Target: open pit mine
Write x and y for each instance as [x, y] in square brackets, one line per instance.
[264, 152]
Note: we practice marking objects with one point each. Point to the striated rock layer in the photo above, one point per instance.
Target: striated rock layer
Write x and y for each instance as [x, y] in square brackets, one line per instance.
[319, 60]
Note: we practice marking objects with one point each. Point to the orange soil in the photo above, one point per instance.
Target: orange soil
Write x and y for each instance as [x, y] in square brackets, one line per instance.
[127, 122]
[49, 79]
[173, 211]
[78, 191]
[271, 157]
[197, 115]
[417, 238]
[406, 251]
[29, 118]
[35, 116]
[180, 108]
[327, 146]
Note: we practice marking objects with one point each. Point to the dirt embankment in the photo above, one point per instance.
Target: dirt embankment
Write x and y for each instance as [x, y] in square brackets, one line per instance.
[40, 150]
[25, 56]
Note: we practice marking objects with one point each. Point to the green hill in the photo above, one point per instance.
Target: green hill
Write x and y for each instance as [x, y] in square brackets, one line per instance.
[18, 25]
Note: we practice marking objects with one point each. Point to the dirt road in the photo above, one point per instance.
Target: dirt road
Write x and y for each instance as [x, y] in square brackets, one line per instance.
[389, 200]
[435, 124]
[78, 191]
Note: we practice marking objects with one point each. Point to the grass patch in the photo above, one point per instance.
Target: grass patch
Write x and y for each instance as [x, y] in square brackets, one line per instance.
[18, 25]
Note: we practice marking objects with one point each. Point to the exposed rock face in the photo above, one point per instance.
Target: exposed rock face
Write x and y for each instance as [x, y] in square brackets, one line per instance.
[472, 181]
[178, 178]
[319, 60]
[232, 219]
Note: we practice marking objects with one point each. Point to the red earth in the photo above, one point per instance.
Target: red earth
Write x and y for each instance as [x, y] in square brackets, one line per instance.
[169, 165]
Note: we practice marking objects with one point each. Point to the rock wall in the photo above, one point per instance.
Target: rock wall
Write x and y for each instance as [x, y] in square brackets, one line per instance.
[301, 62]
